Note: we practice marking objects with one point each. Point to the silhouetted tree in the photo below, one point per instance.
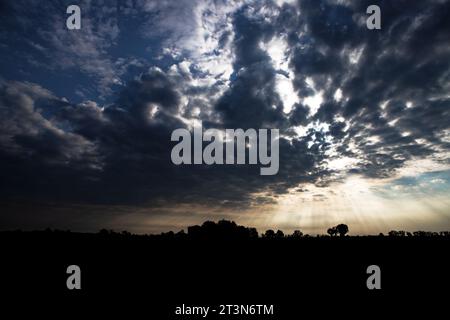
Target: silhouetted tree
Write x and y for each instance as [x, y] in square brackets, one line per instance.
[181, 234]
[167, 235]
[223, 229]
[209, 230]
[194, 232]
[279, 234]
[269, 234]
[342, 229]
[332, 231]
[252, 233]
[297, 234]
[103, 232]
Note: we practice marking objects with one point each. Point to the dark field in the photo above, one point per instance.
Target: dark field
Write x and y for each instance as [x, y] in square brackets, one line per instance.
[154, 274]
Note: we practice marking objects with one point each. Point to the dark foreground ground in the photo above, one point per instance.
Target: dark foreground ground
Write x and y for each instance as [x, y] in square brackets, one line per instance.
[141, 277]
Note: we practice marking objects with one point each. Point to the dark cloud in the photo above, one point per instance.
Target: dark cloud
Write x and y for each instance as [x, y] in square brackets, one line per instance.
[406, 62]
[153, 87]
[122, 154]
[251, 101]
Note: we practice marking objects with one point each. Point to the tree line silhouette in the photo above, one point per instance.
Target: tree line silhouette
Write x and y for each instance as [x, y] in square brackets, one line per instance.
[229, 230]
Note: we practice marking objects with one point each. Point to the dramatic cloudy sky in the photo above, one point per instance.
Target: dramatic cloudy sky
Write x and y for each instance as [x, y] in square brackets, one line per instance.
[86, 115]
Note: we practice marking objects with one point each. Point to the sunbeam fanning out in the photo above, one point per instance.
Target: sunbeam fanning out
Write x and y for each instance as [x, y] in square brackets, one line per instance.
[371, 206]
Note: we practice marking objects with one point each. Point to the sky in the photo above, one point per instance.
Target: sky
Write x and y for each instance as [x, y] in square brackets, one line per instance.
[86, 115]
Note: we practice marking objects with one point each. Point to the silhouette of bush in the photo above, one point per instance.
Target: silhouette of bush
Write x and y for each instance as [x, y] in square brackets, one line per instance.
[269, 234]
[296, 234]
[395, 233]
[418, 234]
